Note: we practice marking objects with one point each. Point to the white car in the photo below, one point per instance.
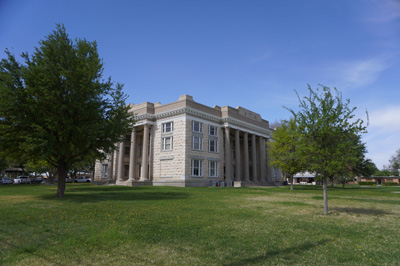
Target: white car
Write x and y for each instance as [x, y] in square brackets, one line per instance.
[17, 180]
[82, 179]
[24, 179]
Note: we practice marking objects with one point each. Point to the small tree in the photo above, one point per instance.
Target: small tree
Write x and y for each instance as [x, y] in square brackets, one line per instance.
[284, 149]
[394, 163]
[327, 129]
[56, 107]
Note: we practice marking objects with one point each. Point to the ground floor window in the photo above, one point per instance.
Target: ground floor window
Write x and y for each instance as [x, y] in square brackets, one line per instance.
[105, 171]
[212, 169]
[126, 170]
[197, 167]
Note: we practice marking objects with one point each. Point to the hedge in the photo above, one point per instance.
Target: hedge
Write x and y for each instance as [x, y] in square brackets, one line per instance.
[391, 184]
[369, 183]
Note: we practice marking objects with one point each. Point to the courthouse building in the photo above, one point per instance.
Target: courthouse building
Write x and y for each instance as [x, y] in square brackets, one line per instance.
[186, 143]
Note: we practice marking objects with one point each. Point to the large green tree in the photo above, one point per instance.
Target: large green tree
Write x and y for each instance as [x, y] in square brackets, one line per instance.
[57, 107]
[328, 128]
[284, 149]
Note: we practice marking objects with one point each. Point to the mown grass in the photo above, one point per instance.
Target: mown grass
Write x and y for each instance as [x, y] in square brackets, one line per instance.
[111, 225]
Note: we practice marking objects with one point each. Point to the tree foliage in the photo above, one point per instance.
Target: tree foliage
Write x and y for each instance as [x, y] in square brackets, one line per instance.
[57, 107]
[330, 134]
[285, 149]
[394, 162]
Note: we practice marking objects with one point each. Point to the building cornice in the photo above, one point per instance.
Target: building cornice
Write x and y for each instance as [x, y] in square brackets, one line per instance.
[223, 121]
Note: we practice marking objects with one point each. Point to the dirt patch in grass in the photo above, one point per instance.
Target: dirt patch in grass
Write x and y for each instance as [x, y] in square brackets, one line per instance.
[17, 198]
[363, 211]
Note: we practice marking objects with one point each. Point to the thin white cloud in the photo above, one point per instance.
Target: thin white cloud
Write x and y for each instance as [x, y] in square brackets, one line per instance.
[357, 73]
[387, 118]
[383, 137]
[261, 57]
[385, 11]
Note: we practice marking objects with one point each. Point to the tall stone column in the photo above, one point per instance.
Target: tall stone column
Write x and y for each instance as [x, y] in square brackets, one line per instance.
[151, 153]
[121, 154]
[145, 153]
[246, 156]
[269, 167]
[238, 156]
[228, 163]
[254, 156]
[132, 158]
[263, 176]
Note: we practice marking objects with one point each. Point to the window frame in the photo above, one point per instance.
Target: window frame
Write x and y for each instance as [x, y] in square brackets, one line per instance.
[200, 126]
[215, 145]
[164, 127]
[163, 143]
[200, 143]
[215, 129]
[215, 168]
[105, 171]
[198, 168]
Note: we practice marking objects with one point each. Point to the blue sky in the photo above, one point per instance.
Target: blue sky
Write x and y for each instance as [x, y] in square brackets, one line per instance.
[239, 53]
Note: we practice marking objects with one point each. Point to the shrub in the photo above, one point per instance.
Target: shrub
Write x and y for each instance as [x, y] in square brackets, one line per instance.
[391, 184]
[368, 183]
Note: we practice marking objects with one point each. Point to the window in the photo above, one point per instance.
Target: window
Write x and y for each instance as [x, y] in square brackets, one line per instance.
[126, 170]
[105, 170]
[197, 143]
[140, 149]
[197, 167]
[212, 168]
[212, 131]
[167, 127]
[167, 143]
[127, 151]
[212, 145]
[196, 126]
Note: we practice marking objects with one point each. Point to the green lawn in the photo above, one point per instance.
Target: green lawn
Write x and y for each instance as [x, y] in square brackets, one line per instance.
[111, 225]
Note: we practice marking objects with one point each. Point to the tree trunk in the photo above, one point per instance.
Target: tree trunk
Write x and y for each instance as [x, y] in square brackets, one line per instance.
[291, 182]
[325, 189]
[62, 175]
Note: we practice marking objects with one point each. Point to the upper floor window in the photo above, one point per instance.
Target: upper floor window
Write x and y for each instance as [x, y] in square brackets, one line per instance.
[167, 143]
[212, 131]
[212, 145]
[196, 126]
[167, 127]
[197, 143]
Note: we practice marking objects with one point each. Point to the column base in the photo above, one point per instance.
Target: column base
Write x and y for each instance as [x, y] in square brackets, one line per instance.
[134, 183]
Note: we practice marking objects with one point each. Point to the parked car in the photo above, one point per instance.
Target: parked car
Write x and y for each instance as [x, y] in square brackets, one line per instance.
[37, 180]
[17, 180]
[24, 179]
[69, 180]
[5, 180]
[82, 179]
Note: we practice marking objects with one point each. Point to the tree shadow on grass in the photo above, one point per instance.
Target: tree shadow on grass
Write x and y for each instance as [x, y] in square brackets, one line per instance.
[367, 200]
[117, 195]
[279, 252]
[360, 211]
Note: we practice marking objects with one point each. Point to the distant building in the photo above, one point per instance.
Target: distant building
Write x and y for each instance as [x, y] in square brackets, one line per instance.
[305, 178]
[185, 143]
[381, 179]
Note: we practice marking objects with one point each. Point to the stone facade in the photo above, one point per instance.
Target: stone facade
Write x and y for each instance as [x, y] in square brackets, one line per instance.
[185, 143]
